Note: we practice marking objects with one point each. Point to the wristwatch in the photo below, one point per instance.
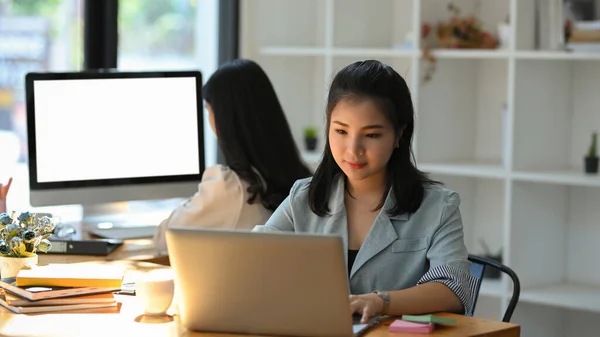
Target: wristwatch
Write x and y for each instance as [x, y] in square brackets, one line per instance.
[386, 300]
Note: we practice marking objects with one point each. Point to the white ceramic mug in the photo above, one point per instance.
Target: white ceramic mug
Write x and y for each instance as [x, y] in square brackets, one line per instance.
[155, 290]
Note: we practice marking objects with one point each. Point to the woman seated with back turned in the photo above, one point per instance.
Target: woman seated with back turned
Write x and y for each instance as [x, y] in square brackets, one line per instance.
[402, 232]
[262, 161]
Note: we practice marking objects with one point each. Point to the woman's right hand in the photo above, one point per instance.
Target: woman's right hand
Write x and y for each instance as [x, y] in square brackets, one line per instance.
[3, 193]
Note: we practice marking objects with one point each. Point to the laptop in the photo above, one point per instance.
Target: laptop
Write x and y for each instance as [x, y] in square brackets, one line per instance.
[282, 284]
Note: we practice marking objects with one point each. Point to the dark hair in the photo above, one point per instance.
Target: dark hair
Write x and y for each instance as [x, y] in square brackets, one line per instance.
[252, 131]
[387, 89]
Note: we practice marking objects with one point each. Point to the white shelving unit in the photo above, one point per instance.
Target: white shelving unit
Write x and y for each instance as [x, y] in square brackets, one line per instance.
[506, 128]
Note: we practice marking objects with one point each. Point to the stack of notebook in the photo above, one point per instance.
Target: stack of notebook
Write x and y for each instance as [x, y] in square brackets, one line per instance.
[415, 324]
[61, 287]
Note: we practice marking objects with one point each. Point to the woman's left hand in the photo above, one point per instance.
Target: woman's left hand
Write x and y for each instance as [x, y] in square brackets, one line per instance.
[367, 305]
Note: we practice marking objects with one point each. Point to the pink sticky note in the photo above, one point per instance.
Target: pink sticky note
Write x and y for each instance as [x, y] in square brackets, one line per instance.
[405, 326]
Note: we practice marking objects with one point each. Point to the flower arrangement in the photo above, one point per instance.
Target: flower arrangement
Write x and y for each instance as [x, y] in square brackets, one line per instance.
[24, 235]
[460, 32]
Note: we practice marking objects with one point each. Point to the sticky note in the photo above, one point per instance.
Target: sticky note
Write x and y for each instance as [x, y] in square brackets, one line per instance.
[429, 319]
[412, 327]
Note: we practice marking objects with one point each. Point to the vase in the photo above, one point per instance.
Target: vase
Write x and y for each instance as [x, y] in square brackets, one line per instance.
[503, 35]
[10, 266]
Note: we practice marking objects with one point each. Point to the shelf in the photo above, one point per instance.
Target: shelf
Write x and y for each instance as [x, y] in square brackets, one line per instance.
[470, 54]
[567, 177]
[293, 51]
[472, 169]
[316, 51]
[492, 288]
[567, 295]
[312, 159]
[374, 52]
[557, 55]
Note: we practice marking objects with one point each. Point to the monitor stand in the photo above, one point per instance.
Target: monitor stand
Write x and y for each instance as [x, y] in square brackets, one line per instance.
[117, 221]
[105, 215]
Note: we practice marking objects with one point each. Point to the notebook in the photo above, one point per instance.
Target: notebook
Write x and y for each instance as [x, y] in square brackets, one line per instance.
[50, 308]
[429, 319]
[41, 293]
[72, 275]
[17, 301]
[411, 327]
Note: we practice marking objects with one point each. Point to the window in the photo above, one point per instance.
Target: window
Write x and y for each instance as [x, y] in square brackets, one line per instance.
[35, 35]
[48, 35]
[170, 35]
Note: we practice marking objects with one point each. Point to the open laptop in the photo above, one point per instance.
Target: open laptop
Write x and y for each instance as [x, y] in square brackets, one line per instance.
[262, 283]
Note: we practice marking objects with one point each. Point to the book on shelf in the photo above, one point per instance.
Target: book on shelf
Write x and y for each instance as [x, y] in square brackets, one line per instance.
[72, 275]
[37, 293]
[583, 47]
[584, 36]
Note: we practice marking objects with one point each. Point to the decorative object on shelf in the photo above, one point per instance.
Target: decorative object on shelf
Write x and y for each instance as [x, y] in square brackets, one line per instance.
[460, 32]
[591, 159]
[504, 34]
[491, 273]
[20, 239]
[310, 138]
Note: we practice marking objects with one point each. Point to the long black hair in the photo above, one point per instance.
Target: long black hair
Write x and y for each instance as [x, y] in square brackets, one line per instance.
[252, 131]
[387, 89]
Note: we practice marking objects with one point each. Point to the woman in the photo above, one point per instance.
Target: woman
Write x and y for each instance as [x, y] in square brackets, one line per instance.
[262, 161]
[3, 194]
[402, 232]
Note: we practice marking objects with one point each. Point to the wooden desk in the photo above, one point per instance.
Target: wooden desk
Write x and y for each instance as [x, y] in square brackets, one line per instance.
[128, 320]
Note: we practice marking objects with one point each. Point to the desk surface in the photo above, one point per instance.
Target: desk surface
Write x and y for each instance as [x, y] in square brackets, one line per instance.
[128, 319]
[128, 316]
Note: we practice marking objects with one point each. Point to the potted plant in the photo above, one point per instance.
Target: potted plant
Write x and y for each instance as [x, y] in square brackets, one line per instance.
[491, 273]
[20, 239]
[591, 159]
[310, 138]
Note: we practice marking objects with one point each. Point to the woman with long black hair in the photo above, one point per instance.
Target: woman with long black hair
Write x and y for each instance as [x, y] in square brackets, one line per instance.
[262, 161]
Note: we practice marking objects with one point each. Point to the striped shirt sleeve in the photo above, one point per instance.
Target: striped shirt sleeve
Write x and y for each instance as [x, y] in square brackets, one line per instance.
[461, 283]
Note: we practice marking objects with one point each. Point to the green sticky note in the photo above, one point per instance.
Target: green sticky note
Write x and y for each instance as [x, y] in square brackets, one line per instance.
[429, 319]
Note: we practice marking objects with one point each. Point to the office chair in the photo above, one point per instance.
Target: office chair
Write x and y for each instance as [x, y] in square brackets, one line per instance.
[478, 265]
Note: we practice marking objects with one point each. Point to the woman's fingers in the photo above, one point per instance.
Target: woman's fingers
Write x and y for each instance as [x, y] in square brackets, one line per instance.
[363, 307]
[367, 313]
[356, 305]
[4, 188]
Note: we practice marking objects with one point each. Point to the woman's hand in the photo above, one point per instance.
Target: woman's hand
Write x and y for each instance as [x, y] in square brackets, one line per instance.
[367, 305]
[3, 193]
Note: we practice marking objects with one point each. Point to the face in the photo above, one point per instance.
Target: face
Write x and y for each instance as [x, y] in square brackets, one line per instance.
[211, 118]
[361, 139]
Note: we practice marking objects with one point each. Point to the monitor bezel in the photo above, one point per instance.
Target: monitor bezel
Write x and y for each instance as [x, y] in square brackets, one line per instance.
[30, 78]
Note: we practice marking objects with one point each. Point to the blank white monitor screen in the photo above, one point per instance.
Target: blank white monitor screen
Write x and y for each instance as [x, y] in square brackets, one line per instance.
[139, 127]
[114, 130]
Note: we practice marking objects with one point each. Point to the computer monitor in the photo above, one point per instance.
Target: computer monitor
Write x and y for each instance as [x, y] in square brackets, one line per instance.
[101, 138]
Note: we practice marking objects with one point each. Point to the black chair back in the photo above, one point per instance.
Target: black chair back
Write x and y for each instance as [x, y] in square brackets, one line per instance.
[478, 265]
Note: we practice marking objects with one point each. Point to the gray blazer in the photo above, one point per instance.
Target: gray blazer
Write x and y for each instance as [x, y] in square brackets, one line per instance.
[399, 251]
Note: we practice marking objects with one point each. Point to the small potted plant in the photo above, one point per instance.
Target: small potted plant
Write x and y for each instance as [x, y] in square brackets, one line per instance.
[491, 273]
[310, 138]
[20, 239]
[591, 159]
